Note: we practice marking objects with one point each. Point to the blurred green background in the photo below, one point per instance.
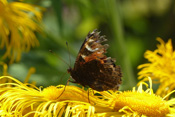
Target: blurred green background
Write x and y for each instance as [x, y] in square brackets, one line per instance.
[131, 27]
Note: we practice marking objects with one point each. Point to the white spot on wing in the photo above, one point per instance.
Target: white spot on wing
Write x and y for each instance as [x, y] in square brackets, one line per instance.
[90, 40]
[90, 49]
[83, 56]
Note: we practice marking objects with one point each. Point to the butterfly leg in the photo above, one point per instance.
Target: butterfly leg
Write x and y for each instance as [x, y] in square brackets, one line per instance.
[88, 95]
[64, 87]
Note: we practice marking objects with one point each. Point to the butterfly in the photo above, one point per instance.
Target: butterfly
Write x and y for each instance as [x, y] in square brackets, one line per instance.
[93, 68]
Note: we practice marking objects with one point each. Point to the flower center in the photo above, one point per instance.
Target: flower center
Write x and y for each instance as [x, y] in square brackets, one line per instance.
[52, 92]
[142, 103]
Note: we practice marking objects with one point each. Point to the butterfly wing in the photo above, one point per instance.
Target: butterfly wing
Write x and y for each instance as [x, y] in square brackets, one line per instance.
[93, 68]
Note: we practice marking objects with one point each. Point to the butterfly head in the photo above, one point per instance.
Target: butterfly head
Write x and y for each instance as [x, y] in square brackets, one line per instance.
[69, 70]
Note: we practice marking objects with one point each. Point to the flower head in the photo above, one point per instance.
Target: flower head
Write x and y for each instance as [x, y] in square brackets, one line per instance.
[140, 103]
[27, 100]
[18, 24]
[161, 67]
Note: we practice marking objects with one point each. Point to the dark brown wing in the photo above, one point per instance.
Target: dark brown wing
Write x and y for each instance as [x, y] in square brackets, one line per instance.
[94, 69]
[91, 47]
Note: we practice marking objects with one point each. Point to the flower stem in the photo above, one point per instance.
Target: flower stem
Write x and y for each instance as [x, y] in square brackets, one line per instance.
[115, 19]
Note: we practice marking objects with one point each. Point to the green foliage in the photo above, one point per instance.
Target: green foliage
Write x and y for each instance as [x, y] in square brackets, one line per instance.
[131, 27]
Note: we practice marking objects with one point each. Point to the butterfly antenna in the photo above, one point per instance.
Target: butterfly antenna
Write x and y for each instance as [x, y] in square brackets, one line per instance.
[59, 58]
[68, 51]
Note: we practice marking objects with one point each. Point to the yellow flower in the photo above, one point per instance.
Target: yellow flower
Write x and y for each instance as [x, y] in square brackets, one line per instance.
[28, 100]
[18, 24]
[25, 100]
[4, 67]
[5, 73]
[161, 67]
[140, 103]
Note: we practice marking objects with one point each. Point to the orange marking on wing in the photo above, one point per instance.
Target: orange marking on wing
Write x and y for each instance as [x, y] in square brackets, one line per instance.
[96, 56]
